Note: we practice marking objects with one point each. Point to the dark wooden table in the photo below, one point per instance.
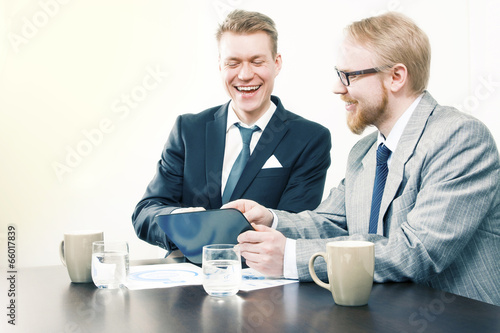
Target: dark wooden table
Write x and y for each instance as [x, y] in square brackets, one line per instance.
[48, 302]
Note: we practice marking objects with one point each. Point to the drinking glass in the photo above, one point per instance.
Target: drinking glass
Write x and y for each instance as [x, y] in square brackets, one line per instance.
[110, 264]
[221, 269]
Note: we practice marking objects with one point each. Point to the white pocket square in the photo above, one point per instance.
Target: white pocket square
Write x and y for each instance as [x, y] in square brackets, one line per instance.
[272, 162]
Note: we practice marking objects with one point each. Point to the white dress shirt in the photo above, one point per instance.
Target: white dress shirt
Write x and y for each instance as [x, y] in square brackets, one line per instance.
[234, 143]
[290, 258]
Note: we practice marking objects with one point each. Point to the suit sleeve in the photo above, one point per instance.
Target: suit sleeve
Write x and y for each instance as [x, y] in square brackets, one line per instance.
[313, 229]
[164, 192]
[456, 189]
[304, 190]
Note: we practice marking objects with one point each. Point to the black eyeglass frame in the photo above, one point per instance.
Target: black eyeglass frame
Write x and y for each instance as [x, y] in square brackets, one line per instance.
[361, 72]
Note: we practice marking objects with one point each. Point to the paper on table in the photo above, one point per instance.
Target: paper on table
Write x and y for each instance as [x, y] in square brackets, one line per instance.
[162, 276]
[183, 274]
[253, 280]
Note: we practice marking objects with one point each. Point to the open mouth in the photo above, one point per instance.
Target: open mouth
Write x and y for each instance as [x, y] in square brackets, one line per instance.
[348, 102]
[350, 105]
[247, 90]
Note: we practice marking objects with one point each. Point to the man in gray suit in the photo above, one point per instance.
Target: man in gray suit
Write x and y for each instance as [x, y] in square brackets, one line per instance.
[437, 221]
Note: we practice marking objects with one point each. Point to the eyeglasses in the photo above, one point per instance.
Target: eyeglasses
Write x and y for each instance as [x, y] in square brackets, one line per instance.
[344, 76]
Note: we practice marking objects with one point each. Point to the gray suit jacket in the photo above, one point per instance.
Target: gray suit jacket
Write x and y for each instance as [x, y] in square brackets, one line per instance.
[439, 222]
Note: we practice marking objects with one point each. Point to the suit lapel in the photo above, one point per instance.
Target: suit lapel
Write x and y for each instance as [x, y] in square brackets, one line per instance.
[363, 189]
[269, 140]
[215, 142]
[405, 149]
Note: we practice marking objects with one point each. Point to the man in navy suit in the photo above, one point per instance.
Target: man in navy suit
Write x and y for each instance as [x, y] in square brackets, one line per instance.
[289, 155]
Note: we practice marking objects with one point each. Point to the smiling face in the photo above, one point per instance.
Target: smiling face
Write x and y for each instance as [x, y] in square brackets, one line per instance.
[248, 69]
[366, 97]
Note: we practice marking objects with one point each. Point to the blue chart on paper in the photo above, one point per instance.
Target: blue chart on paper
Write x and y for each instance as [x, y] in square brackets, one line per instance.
[248, 275]
[164, 276]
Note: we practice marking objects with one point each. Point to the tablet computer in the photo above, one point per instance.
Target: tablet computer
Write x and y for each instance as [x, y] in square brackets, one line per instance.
[191, 231]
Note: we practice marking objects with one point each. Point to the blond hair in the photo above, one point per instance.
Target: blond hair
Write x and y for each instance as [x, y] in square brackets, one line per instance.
[395, 38]
[245, 22]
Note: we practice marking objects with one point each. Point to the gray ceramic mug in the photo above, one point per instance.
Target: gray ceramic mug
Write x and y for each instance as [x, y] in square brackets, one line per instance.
[76, 253]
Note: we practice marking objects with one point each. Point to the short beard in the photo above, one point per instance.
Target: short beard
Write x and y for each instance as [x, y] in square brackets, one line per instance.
[368, 115]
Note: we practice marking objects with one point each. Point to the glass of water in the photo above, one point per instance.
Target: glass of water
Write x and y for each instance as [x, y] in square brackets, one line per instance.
[110, 265]
[221, 269]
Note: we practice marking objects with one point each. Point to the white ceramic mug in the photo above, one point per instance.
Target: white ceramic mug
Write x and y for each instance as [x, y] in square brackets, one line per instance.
[76, 253]
[350, 267]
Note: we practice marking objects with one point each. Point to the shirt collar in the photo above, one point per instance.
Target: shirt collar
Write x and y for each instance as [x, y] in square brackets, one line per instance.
[262, 122]
[392, 140]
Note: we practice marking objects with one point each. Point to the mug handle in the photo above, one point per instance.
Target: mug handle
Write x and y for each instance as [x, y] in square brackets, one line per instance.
[61, 253]
[313, 272]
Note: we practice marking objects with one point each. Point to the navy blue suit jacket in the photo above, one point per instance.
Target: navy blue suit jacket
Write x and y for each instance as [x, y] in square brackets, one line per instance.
[190, 170]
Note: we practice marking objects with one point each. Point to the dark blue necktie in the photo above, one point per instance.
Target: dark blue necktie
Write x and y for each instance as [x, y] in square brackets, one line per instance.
[383, 154]
[240, 163]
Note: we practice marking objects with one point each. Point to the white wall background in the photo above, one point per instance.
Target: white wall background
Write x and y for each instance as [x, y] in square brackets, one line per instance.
[71, 67]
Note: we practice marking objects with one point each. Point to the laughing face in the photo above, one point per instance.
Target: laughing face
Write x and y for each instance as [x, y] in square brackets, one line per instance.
[364, 113]
[248, 69]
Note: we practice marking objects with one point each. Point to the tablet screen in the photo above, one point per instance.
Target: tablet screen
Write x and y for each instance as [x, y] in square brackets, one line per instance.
[191, 231]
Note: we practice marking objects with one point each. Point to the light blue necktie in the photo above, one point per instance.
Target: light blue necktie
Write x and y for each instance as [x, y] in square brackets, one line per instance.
[240, 163]
[383, 154]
